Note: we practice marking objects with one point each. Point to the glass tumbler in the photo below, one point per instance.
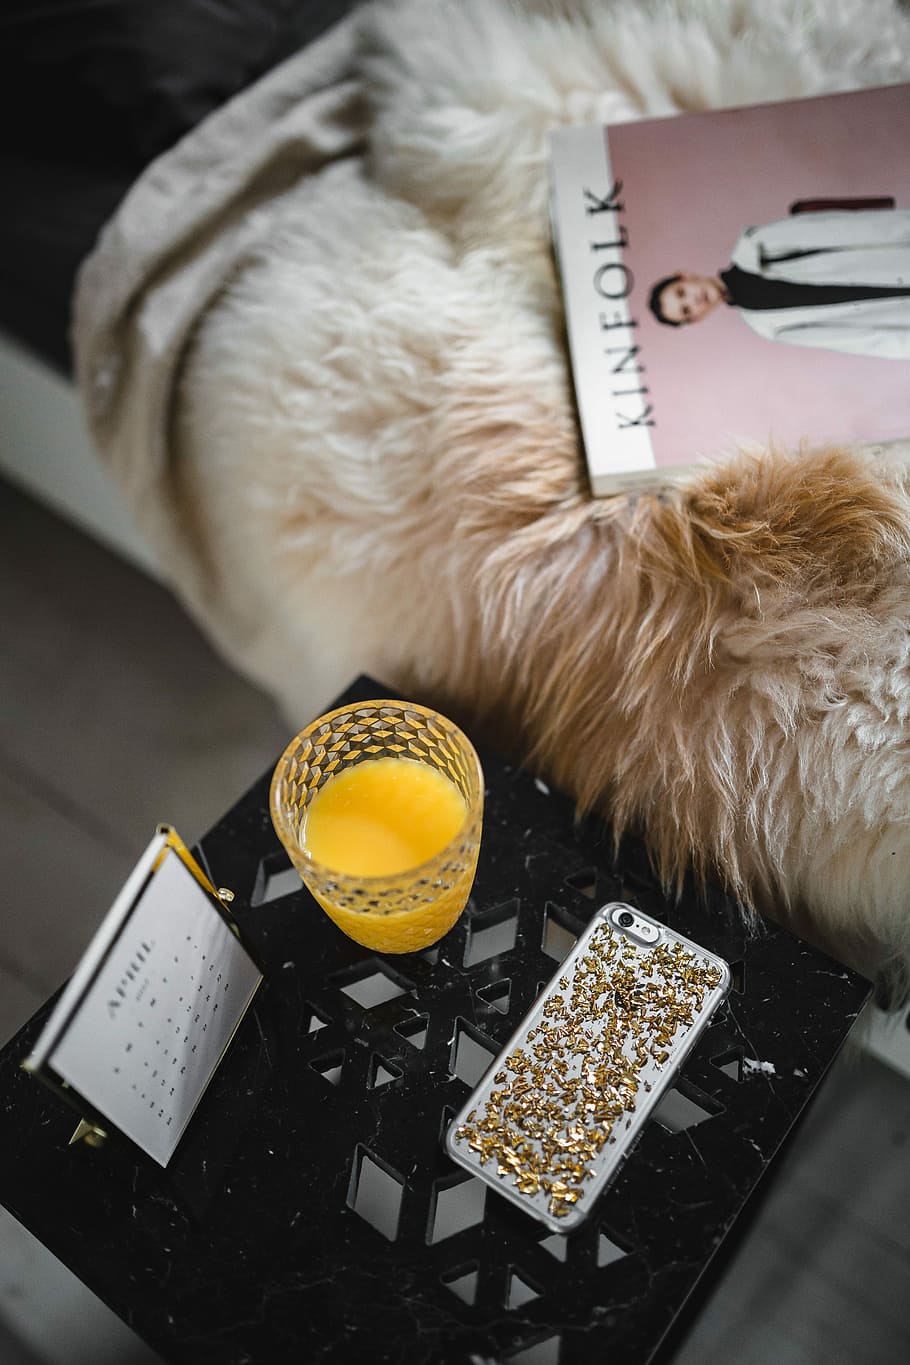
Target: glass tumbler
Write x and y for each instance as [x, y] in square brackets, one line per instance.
[406, 911]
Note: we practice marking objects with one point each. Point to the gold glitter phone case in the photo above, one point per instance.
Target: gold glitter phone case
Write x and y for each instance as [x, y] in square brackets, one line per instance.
[565, 1101]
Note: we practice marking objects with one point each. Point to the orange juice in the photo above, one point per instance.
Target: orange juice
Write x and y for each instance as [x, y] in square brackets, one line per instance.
[377, 819]
[382, 816]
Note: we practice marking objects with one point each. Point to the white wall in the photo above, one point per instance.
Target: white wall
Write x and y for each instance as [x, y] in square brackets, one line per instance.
[44, 448]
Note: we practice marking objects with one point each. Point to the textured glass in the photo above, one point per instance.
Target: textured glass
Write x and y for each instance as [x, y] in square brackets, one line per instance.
[410, 910]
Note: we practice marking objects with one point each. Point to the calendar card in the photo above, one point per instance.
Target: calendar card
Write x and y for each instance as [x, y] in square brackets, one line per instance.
[140, 1029]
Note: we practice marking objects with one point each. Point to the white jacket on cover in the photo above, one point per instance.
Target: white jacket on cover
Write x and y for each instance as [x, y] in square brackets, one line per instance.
[864, 247]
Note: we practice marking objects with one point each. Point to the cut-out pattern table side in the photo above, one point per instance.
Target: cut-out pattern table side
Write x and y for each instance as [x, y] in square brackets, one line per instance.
[310, 1212]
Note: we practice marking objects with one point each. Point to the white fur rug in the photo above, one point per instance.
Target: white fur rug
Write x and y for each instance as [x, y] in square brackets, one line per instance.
[373, 465]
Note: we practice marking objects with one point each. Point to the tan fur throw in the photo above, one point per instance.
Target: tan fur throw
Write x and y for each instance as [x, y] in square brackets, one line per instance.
[376, 466]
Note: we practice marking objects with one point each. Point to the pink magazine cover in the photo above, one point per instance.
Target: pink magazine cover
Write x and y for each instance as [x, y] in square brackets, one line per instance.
[789, 225]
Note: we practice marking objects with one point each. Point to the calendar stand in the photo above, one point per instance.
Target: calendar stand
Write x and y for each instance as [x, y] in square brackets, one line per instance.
[310, 1212]
[92, 1134]
[152, 1006]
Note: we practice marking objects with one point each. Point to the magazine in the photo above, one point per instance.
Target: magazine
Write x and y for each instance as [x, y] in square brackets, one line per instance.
[734, 278]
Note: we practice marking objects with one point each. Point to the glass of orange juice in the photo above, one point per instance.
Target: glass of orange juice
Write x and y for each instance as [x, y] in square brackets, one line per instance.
[379, 806]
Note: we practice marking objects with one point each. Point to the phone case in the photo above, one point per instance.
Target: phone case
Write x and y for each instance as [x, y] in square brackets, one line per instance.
[566, 1099]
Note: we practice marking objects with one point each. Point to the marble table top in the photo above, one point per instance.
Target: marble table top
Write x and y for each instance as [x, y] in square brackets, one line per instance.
[310, 1213]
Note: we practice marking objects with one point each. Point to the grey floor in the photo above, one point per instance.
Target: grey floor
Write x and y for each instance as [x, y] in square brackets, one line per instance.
[115, 714]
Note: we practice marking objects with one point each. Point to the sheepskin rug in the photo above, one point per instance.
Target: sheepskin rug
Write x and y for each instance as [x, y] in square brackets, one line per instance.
[379, 462]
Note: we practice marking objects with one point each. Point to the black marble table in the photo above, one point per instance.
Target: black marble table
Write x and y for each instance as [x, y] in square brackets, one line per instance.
[310, 1214]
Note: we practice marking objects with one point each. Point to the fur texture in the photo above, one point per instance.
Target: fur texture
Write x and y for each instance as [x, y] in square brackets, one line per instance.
[379, 464]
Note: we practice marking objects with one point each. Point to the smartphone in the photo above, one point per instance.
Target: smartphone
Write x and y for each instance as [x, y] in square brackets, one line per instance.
[563, 1104]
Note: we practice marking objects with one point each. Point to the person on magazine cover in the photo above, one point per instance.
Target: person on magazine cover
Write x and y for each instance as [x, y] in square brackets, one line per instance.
[833, 277]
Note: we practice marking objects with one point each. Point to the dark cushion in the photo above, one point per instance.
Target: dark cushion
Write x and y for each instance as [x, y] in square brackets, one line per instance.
[90, 92]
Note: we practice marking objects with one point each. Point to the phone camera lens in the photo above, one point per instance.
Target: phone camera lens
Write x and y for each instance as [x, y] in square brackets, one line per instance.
[625, 919]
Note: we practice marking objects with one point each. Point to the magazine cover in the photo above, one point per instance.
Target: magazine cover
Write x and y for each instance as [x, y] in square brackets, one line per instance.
[736, 277]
